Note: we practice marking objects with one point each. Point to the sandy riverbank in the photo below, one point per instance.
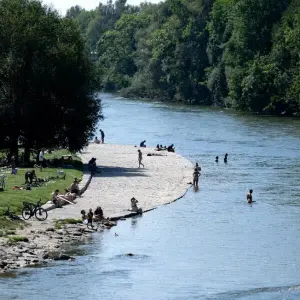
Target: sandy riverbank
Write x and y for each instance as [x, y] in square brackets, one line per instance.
[163, 180]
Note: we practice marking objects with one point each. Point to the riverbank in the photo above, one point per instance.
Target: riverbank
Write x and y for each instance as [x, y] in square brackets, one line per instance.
[163, 180]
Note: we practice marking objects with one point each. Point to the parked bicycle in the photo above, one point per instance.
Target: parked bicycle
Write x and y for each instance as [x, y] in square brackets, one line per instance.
[30, 209]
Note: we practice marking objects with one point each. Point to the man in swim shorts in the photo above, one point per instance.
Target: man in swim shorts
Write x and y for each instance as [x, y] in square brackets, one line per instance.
[196, 175]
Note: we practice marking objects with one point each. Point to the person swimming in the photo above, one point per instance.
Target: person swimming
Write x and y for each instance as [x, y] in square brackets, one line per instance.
[249, 196]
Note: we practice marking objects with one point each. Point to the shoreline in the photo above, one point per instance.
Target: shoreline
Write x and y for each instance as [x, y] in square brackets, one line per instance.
[163, 180]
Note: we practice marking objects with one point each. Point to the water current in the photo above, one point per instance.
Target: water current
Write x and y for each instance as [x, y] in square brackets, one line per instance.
[210, 244]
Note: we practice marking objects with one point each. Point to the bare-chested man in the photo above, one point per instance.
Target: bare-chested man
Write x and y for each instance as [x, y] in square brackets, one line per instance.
[196, 175]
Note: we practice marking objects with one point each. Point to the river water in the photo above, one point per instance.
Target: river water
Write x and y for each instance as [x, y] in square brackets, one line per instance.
[210, 244]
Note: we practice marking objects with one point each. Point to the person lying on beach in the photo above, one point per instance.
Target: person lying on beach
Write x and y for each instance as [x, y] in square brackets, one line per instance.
[142, 144]
[155, 154]
[60, 199]
[171, 148]
[98, 213]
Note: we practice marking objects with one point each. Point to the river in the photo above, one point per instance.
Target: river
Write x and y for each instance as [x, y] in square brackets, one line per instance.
[210, 244]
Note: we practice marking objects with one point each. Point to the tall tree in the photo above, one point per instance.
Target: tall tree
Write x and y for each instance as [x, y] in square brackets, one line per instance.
[46, 79]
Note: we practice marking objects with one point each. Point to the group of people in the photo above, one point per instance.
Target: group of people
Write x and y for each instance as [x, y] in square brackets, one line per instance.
[170, 148]
[196, 175]
[91, 216]
[97, 141]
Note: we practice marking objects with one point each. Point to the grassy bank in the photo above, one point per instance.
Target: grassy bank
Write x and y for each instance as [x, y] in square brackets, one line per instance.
[13, 197]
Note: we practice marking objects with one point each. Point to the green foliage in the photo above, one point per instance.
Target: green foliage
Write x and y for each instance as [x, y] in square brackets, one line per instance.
[46, 79]
[69, 221]
[241, 54]
[60, 223]
[17, 238]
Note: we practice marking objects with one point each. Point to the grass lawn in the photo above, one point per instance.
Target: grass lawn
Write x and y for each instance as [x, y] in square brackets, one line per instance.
[14, 198]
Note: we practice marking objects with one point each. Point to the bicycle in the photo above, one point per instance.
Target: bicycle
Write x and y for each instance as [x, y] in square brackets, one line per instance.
[31, 209]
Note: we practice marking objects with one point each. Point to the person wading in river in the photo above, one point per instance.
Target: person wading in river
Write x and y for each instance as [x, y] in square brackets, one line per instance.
[196, 175]
[140, 158]
[249, 196]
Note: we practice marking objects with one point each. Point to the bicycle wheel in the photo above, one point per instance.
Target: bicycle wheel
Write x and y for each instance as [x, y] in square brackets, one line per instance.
[26, 213]
[41, 214]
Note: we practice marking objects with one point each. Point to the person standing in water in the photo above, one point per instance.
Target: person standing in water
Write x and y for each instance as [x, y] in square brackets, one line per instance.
[249, 196]
[196, 175]
[197, 167]
[102, 136]
[225, 158]
[217, 159]
[140, 158]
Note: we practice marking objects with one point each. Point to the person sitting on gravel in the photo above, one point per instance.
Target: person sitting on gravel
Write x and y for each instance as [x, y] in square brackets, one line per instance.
[142, 144]
[92, 165]
[171, 148]
[134, 206]
[74, 188]
[98, 213]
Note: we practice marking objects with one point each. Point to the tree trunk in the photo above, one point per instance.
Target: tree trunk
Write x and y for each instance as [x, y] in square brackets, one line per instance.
[26, 156]
[14, 150]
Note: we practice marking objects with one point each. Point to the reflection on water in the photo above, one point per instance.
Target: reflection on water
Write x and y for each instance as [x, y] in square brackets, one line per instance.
[209, 245]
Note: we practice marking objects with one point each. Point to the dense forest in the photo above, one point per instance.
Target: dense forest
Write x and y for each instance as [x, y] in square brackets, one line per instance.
[242, 54]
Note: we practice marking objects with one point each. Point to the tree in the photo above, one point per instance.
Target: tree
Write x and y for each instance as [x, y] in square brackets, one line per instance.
[46, 79]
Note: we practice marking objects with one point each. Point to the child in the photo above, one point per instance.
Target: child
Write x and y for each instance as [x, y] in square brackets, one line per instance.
[83, 215]
[90, 217]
